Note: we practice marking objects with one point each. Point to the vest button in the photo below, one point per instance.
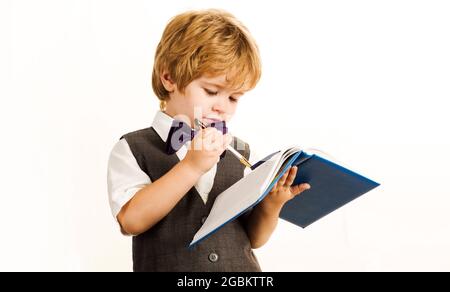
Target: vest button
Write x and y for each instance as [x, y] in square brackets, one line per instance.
[213, 257]
[203, 219]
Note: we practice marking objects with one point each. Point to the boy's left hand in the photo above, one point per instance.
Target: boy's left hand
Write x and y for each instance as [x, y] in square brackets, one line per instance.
[283, 190]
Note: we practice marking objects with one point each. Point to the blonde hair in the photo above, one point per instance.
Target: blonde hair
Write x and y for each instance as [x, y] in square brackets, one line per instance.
[206, 42]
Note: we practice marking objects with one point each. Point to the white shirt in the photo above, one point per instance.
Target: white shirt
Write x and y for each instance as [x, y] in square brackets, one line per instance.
[126, 178]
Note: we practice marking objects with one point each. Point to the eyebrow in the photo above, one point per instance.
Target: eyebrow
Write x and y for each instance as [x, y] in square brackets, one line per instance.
[221, 87]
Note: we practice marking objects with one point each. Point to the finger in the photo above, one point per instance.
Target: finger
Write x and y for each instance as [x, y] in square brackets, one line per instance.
[291, 176]
[216, 142]
[208, 132]
[206, 136]
[222, 140]
[282, 180]
[216, 136]
[298, 189]
[197, 142]
[217, 145]
[209, 144]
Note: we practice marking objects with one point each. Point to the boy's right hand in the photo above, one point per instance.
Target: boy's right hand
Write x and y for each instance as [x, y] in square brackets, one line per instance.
[205, 149]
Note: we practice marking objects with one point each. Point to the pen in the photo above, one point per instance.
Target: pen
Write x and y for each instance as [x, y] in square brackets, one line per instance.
[241, 158]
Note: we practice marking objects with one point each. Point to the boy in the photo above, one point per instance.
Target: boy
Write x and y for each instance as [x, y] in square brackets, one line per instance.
[204, 63]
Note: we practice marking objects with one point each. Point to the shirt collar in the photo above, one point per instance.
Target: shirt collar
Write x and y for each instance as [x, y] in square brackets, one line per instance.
[162, 123]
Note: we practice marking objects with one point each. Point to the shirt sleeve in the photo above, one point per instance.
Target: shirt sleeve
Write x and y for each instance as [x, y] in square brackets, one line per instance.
[125, 178]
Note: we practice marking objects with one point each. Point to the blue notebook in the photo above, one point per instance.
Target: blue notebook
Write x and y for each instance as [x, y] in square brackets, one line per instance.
[332, 186]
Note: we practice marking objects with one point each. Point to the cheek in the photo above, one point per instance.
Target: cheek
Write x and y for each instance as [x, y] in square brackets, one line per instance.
[197, 97]
[233, 106]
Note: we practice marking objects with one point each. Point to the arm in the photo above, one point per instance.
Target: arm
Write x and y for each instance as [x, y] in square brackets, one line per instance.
[153, 202]
[261, 223]
[264, 218]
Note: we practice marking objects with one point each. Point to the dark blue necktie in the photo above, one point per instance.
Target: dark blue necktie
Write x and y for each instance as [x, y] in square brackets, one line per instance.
[180, 133]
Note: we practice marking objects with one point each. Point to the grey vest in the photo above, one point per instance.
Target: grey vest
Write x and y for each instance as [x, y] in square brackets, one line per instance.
[164, 247]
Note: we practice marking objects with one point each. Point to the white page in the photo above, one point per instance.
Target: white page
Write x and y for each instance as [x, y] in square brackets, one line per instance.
[239, 196]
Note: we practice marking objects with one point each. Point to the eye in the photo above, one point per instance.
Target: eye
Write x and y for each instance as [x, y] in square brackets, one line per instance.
[210, 92]
[233, 99]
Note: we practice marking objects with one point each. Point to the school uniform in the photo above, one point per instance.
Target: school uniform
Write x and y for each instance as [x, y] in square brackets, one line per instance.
[140, 158]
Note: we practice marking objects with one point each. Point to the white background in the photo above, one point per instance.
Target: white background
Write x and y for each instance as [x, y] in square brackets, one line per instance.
[367, 81]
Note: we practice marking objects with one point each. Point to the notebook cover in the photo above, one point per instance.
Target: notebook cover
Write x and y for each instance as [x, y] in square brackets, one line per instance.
[332, 186]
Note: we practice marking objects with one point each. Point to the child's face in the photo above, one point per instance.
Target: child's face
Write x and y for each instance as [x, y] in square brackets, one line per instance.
[207, 98]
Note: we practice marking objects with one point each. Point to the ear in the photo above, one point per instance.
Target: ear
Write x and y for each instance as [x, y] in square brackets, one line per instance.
[167, 82]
